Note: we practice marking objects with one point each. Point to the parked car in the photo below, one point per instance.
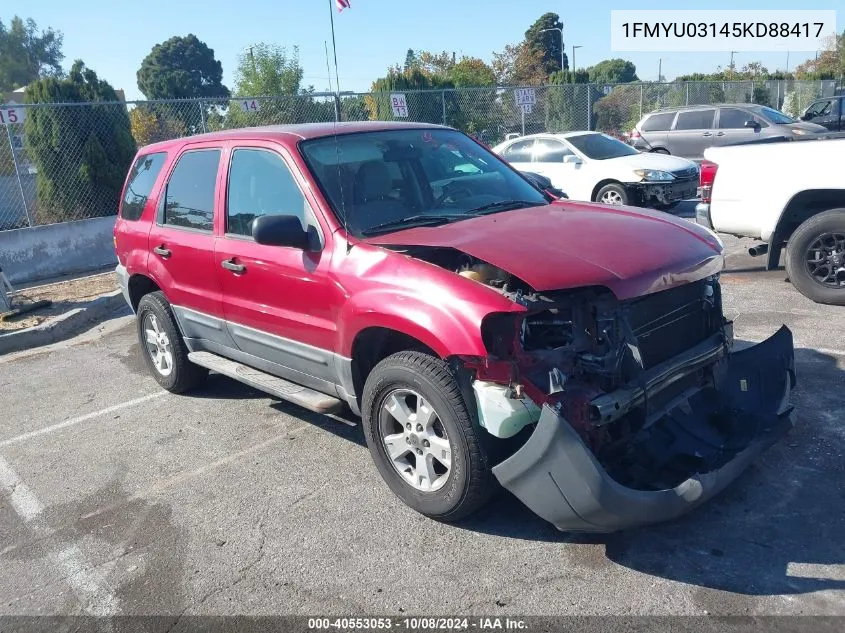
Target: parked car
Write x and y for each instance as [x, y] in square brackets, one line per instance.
[544, 184]
[484, 332]
[801, 208]
[595, 167]
[688, 131]
[828, 112]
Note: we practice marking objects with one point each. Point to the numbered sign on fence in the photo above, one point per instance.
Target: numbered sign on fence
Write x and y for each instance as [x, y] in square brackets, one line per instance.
[399, 104]
[249, 105]
[10, 115]
[527, 108]
[525, 96]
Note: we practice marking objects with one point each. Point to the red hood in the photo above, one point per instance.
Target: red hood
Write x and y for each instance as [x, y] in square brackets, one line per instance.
[567, 245]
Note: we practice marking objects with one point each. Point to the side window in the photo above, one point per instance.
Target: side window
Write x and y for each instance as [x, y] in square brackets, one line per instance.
[658, 122]
[140, 185]
[260, 183]
[548, 151]
[695, 120]
[820, 108]
[189, 202]
[733, 118]
[519, 152]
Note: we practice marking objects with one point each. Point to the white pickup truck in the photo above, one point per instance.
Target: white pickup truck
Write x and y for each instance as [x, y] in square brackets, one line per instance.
[789, 195]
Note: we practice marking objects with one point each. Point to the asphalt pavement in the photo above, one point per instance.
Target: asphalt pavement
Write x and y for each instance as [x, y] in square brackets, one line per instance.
[119, 498]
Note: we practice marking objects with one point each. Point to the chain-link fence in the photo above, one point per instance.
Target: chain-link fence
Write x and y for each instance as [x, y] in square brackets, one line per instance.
[63, 162]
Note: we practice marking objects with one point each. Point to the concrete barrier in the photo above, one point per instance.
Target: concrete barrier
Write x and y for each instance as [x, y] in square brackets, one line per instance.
[57, 249]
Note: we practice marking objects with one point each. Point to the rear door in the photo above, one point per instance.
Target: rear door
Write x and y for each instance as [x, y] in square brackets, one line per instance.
[731, 126]
[693, 133]
[181, 242]
[279, 304]
[654, 131]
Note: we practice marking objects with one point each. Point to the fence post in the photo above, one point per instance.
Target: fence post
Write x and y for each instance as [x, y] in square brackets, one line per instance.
[752, 91]
[686, 86]
[641, 101]
[202, 115]
[443, 98]
[589, 108]
[18, 176]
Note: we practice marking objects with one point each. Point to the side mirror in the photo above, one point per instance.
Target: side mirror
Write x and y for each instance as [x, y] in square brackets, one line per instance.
[806, 116]
[572, 159]
[285, 230]
[751, 123]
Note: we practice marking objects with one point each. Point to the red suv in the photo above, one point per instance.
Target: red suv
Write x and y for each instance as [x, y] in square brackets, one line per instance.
[484, 331]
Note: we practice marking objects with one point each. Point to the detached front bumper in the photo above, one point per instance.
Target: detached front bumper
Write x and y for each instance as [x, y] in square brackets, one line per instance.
[556, 475]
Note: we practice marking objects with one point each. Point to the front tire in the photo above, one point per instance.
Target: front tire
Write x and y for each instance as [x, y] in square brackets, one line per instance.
[815, 258]
[423, 439]
[163, 348]
[613, 194]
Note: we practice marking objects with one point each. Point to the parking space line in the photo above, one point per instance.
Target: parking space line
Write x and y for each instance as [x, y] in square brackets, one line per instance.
[91, 590]
[82, 418]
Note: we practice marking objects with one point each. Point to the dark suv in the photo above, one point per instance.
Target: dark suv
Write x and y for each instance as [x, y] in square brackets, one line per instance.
[484, 331]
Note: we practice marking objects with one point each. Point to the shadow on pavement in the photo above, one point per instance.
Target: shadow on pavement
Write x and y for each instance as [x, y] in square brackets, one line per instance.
[776, 530]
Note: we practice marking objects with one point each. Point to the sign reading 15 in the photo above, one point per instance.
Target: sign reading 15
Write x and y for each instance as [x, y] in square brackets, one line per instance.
[9, 115]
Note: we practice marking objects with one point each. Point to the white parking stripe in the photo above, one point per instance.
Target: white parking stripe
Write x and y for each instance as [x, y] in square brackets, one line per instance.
[82, 418]
[91, 590]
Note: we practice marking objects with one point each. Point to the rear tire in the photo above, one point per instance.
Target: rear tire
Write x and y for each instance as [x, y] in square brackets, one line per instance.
[163, 348]
[419, 390]
[614, 194]
[820, 238]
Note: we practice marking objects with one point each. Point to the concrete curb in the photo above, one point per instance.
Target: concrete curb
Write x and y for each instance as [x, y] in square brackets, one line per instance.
[63, 326]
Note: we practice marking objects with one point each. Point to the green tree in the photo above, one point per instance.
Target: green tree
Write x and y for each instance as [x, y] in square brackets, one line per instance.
[471, 72]
[181, 68]
[82, 154]
[613, 71]
[267, 69]
[422, 106]
[26, 54]
[544, 36]
[829, 62]
[519, 65]
[410, 59]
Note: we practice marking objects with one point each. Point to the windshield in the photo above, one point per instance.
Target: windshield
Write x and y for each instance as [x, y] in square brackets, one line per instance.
[776, 117]
[600, 147]
[389, 180]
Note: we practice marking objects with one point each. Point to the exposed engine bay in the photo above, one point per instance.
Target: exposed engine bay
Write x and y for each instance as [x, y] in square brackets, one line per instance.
[635, 379]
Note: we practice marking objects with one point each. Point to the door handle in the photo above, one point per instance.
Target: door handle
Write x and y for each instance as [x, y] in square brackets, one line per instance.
[229, 264]
[720, 134]
[162, 251]
[707, 134]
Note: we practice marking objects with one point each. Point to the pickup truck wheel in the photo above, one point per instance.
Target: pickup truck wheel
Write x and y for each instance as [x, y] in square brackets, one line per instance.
[612, 194]
[815, 258]
[163, 347]
[422, 438]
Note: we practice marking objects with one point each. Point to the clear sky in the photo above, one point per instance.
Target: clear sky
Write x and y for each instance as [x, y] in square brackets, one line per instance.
[112, 37]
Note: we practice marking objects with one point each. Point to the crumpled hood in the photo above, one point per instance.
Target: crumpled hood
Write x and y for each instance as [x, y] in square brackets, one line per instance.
[567, 245]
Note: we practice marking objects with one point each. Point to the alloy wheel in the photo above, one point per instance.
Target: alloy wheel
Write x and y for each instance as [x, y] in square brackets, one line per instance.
[611, 197]
[415, 440]
[825, 259]
[158, 345]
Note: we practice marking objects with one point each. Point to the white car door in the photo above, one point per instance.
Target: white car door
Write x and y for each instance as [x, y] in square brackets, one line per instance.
[518, 154]
[557, 162]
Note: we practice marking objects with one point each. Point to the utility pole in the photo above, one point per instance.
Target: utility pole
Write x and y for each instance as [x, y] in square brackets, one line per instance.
[732, 63]
[659, 69]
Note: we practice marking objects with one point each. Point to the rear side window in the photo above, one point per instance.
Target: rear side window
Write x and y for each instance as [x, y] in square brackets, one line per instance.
[140, 186]
[695, 120]
[658, 122]
[189, 202]
[519, 152]
[547, 151]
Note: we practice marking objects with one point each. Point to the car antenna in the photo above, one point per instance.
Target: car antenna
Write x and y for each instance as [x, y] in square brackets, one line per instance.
[343, 210]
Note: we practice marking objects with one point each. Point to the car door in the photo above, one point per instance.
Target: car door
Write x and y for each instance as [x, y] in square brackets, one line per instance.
[182, 242]
[824, 112]
[731, 129]
[549, 156]
[519, 154]
[279, 304]
[693, 133]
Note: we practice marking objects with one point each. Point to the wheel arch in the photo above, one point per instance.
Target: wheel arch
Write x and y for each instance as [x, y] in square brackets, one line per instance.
[140, 285]
[604, 183]
[800, 208]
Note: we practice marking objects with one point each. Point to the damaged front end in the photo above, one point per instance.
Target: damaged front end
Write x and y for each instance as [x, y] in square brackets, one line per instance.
[624, 413]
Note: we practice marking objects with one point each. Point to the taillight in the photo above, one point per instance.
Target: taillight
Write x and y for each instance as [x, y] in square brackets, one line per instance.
[707, 174]
[635, 133]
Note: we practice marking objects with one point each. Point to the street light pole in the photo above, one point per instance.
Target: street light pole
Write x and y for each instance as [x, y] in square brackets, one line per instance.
[574, 48]
[732, 63]
[562, 50]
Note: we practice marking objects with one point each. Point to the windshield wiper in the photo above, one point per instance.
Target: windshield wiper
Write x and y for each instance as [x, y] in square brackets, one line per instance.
[422, 219]
[504, 205]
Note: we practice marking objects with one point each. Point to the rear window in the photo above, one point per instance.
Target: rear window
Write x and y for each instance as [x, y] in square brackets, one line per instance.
[695, 120]
[658, 122]
[140, 186]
